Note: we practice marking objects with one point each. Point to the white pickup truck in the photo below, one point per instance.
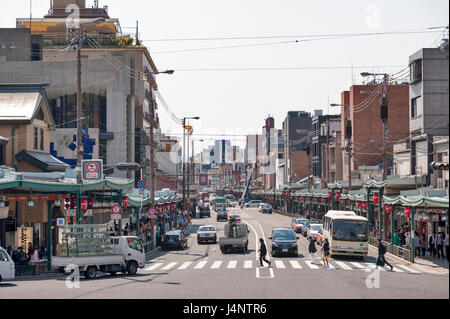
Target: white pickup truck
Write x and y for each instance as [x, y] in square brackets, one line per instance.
[125, 254]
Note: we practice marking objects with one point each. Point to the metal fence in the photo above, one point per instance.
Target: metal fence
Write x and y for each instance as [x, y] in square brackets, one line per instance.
[392, 249]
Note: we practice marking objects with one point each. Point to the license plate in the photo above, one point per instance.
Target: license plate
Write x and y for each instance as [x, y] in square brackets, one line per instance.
[234, 246]
[285, 250]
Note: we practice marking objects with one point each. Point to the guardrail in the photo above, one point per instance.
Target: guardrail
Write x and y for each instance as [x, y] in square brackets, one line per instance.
[392, 249]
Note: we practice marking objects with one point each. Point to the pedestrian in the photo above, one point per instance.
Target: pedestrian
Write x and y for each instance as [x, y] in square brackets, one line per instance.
[440, 246]
[432, 244]
[446, 246]
[35, 256]
[381, 261]
[417, 245]
[325, 253]
[262, 253]
[312, 250]
[396, 239]
[21, 257]
[30, 251]
[424, 244]
[9, 250]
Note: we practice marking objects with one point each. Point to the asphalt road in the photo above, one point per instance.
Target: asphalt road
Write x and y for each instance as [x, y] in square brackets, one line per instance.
[203, 272]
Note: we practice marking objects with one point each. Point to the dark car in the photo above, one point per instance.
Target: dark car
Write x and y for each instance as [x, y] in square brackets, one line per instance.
[284, 242]
[265, 208]
[204, 211]
[222, 215]
[174, 239]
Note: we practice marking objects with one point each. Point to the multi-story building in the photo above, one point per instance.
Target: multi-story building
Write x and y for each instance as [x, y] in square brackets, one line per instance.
[114, 100]
[428, 104]
[334, 158]
[297, 128]
[361, 105]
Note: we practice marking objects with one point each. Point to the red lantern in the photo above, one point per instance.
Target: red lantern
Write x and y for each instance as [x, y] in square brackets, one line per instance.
[323, 200]
[84, 203]
[388, 209]
[342, 202]
[125, 201]
[301, 197]
[292, 197]
[159, 208]
[337, 196]
[329, 195]
[315, 200]
[364, 205]
[358, 204]
[407, 211]
[91, 203]
[174, 205]
[375, 198]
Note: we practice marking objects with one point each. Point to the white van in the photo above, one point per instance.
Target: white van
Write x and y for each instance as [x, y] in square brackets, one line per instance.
[7, 268]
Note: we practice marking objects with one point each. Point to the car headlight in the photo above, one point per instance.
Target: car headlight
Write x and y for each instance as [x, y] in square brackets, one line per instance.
[275, 244]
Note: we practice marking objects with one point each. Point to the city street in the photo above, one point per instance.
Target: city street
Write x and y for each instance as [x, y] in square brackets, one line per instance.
[202, 271]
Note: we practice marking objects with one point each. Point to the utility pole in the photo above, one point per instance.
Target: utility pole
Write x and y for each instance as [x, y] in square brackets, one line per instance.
[384, 118]
[79, 106]
[184, 163]
[328, 151]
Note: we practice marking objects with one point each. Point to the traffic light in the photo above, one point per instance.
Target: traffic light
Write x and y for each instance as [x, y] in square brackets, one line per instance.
[384, 109]
[348, 129]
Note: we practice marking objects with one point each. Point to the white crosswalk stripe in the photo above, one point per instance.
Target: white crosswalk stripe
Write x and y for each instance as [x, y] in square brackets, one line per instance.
[408, 269]
[295, 264]
[329, 264]
[154, 266]
[216, 264]
[201, 264]
[185, 265]
[311, 265]
[343, 265]
[358, 265]
[170, 265]
[279, 264]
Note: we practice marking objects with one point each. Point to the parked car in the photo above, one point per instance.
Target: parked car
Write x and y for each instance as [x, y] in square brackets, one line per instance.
[222, 215]
[297, 224]
[7, 268]
[305, 227]
[174, 239]
[284, 242]
[253, 203]
[313, 229]
[265, 208]
[206, 234]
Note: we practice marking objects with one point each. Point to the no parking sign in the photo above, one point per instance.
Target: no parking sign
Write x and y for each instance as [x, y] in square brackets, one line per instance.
[203, 180]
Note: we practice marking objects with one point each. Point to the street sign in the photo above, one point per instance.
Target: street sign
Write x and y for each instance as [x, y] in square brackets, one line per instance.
[60, 222]
[152, 216]
[203, 180]
[152, 211]
[141, 184]
[116, 216]
[116, 209]
[92, 170]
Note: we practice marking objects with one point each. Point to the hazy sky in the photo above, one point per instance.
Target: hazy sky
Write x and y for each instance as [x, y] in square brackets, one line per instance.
[236, 102]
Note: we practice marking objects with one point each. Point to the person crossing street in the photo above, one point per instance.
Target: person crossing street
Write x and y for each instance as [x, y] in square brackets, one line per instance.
[381, 260]
[262, 253]
[311, 249]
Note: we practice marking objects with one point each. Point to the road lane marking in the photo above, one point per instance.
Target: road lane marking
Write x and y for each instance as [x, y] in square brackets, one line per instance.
[272, 275]
[397, 269]
[310, 265]
[232, 264]
[343, 265]
[358, 265]
[248, 264]
[170, 265]
[373, 266]
[185, 265]
[201, 264]
[330, 265]
[409, 269]
[153, 267]
[279, 264]
[295, 264]
[256, 238]
[216, 264]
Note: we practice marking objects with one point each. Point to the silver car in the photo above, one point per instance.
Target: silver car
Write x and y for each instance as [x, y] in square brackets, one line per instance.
[206, 233]
[313, 229]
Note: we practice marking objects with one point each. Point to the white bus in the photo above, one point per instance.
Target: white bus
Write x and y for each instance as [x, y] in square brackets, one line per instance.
[347, 233]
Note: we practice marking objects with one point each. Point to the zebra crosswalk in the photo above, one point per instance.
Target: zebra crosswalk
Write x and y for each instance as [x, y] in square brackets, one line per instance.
[297, 264]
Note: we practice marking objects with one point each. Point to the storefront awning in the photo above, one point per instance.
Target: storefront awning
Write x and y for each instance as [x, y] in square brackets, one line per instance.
[44, 161]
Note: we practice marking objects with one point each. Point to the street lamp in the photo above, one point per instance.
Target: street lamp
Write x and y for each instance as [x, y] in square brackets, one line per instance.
[184, 153]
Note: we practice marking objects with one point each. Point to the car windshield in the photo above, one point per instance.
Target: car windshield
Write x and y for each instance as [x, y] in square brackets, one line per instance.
[283, 234]
[315, 227]
[172, 237]
[350, 230]
[207, 229]
[135, 244]
[299, 221]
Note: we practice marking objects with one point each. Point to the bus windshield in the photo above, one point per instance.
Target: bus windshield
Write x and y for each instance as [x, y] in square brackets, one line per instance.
[350, 230]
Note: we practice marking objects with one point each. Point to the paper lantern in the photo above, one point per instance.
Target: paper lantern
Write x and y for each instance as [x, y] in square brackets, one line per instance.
[337, 196]
[329, 194]
[376, 197]
[125, 201]
[358, 204]
[407, 211]
[342, 202]
[388, 208]
[84, 203]
[364, 205]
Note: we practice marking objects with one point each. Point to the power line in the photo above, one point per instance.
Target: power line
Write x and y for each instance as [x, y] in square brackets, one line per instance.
[287, 68]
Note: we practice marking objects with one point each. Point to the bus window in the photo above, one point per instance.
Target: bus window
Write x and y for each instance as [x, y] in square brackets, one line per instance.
[350, 230]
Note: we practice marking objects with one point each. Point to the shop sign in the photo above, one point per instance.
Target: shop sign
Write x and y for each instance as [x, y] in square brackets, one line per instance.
[24, 236]
[26, 198]
[116, 216]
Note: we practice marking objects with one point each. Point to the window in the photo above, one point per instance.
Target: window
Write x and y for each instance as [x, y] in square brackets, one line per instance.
[415, 71]
[35, 137]
[3, 256]
[41, 140]
[415, 109]
[135, 244]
